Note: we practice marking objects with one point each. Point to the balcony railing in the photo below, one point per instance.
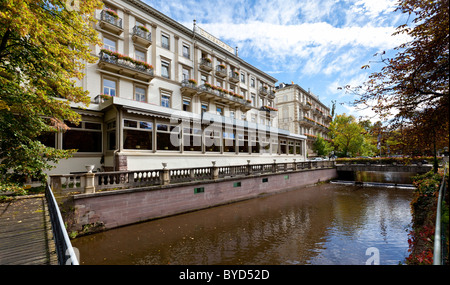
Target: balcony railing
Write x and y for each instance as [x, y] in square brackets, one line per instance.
[110, 22]
[221, 71]
[233, 77]
[205, 64]
[215, 93]
[125, 65]
[141, 37]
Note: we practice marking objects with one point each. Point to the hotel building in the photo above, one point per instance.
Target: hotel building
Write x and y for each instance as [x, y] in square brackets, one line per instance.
[164, 93]
[301, 112]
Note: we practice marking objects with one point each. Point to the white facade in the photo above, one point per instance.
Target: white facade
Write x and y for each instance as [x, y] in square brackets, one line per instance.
[196, 91]
[301, 112]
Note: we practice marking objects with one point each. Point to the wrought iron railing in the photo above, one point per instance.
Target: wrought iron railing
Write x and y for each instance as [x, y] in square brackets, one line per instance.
[438, 238]
[105, 16]
[141, 33]
[64, 250]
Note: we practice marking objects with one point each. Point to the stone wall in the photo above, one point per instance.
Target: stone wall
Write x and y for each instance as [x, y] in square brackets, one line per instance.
[123, 207]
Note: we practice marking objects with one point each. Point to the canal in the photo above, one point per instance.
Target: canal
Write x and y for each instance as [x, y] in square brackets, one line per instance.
[324, 224]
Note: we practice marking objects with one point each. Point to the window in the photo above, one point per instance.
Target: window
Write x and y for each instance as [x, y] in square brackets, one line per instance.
[137, 135]
[242, 77]
[109, 87]
[165, 101]
[283, 147]
[204, 107]
[167, 137]
[140, 94]
[186, 74]
[253, 100]
[232, 114]
[203, 79]
[186, 52]
[192, 139]
[274, 146]
[291, 147]
[86, 137]
[243, 142]
[212, 140]
[165, 69]
[261, 102]
[229, 143]
[109, 44]
[252, 82]
[298, 148]
[165, 43]
[265, 144]
[219, 110]
[111, 136]
[140, 55]
[255, 144]
[186, 105]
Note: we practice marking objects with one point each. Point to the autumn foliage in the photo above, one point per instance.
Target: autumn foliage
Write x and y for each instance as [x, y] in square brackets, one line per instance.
[44, 46]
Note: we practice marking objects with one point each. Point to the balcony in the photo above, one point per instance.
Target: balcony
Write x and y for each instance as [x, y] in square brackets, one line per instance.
[141, 36]
[263, 91]
[307, 122]
[306, 106]
[221, 71]
[268, 109]
[124, 65]
[271, 94]
[111, 22]
[189, 87]
[219, 95]
[205, 64]
[234, 77]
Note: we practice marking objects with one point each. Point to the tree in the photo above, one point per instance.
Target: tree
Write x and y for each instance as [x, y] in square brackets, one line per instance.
[417, 78]
[413, 86]
[44, 46]
[347, 135]
[322, 147]
[351, 137]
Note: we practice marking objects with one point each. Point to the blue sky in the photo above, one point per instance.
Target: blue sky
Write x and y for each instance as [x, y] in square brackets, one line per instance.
[317, 44]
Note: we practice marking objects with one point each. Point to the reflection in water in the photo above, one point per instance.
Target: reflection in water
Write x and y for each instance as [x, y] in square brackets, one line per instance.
[377, 176]
[325, 224]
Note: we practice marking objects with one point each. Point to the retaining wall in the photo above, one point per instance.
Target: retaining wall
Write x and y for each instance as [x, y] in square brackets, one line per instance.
[123, 207]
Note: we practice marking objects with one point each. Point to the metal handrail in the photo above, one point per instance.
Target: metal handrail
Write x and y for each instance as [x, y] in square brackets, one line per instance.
[437, 254]
[64, 250]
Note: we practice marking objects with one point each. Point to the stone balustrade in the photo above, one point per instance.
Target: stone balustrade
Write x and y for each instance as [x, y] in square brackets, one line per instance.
[102, 181]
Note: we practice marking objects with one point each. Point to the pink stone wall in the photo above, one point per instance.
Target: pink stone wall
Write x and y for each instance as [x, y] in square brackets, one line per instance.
[123, 207]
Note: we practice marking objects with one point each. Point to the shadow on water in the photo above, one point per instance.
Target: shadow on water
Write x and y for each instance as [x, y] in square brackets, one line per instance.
[324, 224]
[377, 176]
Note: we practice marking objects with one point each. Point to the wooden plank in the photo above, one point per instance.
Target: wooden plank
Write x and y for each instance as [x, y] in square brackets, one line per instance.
[25, 232]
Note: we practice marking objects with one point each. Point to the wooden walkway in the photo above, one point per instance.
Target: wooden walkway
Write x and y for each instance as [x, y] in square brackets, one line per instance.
[25, 232]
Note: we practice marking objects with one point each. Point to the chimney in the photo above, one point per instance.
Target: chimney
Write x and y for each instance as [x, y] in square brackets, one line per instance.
[237, 53]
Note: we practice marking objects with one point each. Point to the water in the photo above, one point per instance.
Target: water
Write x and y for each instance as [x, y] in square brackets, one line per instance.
[325, 224]
[377, 176]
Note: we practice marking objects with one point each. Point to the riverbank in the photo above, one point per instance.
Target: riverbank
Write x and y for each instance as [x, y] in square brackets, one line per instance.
[423, 208]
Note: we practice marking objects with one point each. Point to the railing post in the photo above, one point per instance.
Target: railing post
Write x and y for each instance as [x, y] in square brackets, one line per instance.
[55, 183]
[274, 166]
[249, 168]
[89, 183]
[214, 171]
[294, 167]
[165, 175]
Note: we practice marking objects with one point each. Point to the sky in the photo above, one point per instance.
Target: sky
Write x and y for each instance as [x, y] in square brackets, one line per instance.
[317, 44]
